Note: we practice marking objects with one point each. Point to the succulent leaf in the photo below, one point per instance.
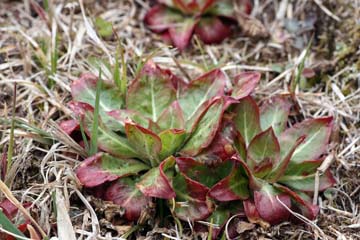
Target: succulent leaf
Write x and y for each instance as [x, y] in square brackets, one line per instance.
[172, 117]
[206, 129]
[212, 30]
[244, 84]
[274, 113]
[171, 141]
[107, 140]
[317, 134]
[84, 90]
[222, 146]
[270, 203]
[155, 182]
[191, 201]
[263, 152]
[181, 33]
[207, 175]
[145, 142]
[233, 187]
[124, 193]
[247, 119]
[151, 92]
[102, 168]
[200, 91]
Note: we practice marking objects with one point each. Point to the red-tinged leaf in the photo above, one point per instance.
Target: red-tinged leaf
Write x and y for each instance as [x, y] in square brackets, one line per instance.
[252, 214]
[221, 147]
[317, 133]
[254, 182]
[274, 113]
[247, 119]
[171, 141]
[159, 18]
[155, 182]
[207, 175]
[233, 187]
[151, 92]
[240, 146]
[145, 142]
[69, 126]
[212, 30]
[306, 183]
[84, 90]
[282, 166]
[189, 7]
[107, 140]
[8, 208]
[269, 204]
[102, 167]
[304, 168]
[124, 193]
[116, 119]
[80, 108]
[206, 128]
[263, 152]
[245, 83]
[182, 32]
[191, 202]
[172, 117]
[302, 202]
[200, 91]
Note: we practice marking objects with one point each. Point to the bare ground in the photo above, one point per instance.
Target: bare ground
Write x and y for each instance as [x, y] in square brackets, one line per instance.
[43, 162]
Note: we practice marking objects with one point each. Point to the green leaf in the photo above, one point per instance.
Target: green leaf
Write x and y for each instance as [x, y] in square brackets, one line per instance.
[200, 91]
[172, 117]
[9, 226]
[274, 113]
[233, 187]
[155, 182]
[307, 183]
[263, 152]
[206, 128]
[151, 92]
[171, 141]
[84, 90]
[191, 202]
[103, 167]
[145, 142]
[207, 175]
[104, 28]
[247, 119]
[109, 141]
[244, 84]
[316, 132]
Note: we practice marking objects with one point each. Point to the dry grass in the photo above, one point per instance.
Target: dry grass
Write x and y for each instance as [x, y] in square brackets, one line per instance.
[43, 164]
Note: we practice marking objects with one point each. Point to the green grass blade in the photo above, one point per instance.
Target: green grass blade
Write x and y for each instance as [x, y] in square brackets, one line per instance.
[9, 226]
[116, 74]
[300, 68]
[12, 128]
[94, 130]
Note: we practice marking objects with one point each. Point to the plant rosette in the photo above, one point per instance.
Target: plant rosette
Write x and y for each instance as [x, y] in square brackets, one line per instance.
[203, 146]
[210, 20]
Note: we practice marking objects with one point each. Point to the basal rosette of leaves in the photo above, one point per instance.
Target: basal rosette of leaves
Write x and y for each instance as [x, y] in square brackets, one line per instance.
[178, 20]
[165, 139]
[204, 146]
[280, 162]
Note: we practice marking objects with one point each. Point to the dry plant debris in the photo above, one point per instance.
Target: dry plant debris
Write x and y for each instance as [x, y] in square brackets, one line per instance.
[44, 51]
